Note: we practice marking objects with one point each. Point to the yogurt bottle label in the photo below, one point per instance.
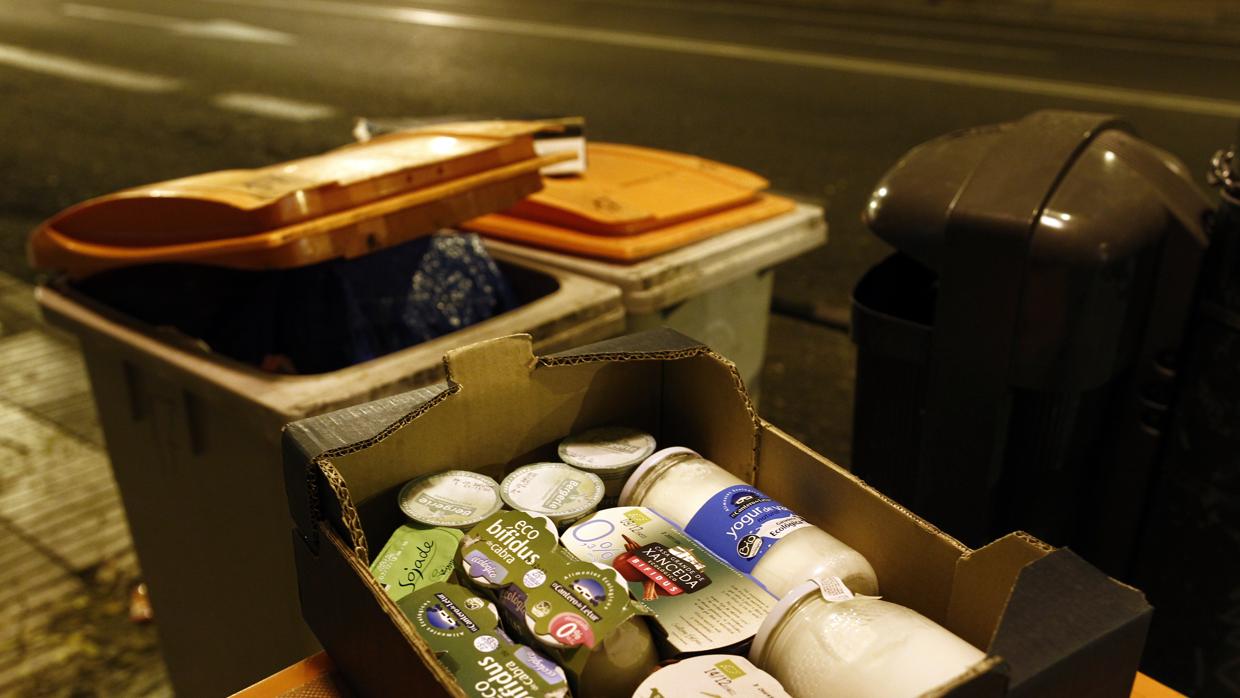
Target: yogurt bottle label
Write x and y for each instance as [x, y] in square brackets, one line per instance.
[741, 525]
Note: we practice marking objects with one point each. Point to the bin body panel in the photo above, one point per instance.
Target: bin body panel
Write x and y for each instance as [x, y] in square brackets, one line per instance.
[204, 507]
[717, 290]
[731, 319]
[194, 442]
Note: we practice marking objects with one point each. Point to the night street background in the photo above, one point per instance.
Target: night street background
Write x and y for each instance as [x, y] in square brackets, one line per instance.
[99, 96]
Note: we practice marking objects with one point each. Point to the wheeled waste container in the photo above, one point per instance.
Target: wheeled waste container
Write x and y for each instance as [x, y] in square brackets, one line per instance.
[691, 242]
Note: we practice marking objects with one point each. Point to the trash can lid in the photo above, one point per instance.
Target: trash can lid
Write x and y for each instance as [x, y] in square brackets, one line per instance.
[628, 189]
[634, 202]
[346, 202]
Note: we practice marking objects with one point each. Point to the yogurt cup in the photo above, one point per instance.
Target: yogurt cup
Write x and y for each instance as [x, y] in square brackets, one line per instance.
[611, 452]
[558, 491]
[453, 499]
[711, 675]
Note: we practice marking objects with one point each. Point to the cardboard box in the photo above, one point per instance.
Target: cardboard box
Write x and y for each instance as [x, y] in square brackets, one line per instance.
[1052, 624]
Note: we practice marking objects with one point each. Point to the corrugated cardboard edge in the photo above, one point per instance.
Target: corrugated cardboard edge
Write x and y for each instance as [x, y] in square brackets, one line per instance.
[655, 345]
[1105, 626]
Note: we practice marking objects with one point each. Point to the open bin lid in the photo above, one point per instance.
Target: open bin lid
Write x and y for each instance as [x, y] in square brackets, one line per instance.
[633, 203]
[343, 203]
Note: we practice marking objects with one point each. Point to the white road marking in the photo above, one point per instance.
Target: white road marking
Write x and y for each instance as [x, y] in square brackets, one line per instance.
[274, 107]
[944, 25]
[915, 43]
[223, 29]
[82, 71]
[1148, 99]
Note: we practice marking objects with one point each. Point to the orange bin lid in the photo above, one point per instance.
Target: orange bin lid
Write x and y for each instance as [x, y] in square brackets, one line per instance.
[343, 203]
[633, 203]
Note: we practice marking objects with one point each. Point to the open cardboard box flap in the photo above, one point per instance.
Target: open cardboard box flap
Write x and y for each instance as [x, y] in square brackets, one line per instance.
[1052, 624]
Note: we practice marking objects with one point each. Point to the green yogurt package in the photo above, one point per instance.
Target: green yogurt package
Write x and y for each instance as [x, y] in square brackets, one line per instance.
[463, 630]
[414, 557]
[579, 612]
[700, 603]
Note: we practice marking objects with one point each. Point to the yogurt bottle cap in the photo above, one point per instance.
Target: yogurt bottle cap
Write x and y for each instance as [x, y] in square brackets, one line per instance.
[757, 651]
[453, 498]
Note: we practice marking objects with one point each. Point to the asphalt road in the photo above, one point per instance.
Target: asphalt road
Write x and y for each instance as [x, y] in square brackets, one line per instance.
[103, 95]
[97, 95]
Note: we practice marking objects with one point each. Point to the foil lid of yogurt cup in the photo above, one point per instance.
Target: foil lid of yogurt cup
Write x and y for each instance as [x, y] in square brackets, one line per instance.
[556, 490]
[605, 449]
[453, 498]
[711, 674]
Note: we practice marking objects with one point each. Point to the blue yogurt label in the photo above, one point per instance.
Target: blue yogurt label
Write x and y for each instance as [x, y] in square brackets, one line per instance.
[741, 524]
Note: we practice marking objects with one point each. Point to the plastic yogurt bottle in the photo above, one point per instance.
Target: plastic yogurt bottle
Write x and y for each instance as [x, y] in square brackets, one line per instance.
[860, 647]
[558, 491]
[453, 499]
[736, 521]
[612, 453]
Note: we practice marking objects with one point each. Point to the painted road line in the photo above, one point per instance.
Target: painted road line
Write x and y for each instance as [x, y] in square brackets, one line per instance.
[82, 71]
[223, 29]
[805, 16]
[1105, 94]
[273, 107]
[915, 43]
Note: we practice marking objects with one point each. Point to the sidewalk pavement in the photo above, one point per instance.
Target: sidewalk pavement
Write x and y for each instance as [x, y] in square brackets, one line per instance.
[66, 559]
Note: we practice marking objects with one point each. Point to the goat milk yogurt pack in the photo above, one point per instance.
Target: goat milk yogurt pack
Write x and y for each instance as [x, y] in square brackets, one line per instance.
[463, 630]
[577, 611]
[700, 603]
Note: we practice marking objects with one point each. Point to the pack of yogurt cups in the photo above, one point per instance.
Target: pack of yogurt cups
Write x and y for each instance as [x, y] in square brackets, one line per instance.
[623, 570]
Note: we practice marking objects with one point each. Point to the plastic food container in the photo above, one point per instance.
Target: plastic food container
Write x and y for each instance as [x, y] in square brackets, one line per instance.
[612, 453]
[750, 531]
[453, 499]
[558, 491]
[711, 675]
[823, 643]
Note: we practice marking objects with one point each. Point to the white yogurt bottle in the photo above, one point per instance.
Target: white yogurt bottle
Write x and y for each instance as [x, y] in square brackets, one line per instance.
[858, 647]
[557, 491]
[612, 453]
[736, 521]
[453, 499]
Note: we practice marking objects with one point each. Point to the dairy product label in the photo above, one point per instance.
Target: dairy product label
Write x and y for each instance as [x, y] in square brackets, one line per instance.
[714, 675]
[698, 601]
[834, 589]
[741, 524]
[415, 557]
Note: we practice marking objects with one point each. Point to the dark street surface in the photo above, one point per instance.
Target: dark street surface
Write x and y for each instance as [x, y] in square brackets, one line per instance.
[101, 95]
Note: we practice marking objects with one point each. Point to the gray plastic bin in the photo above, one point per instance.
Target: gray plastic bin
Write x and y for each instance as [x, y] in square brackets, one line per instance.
[194, 441]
